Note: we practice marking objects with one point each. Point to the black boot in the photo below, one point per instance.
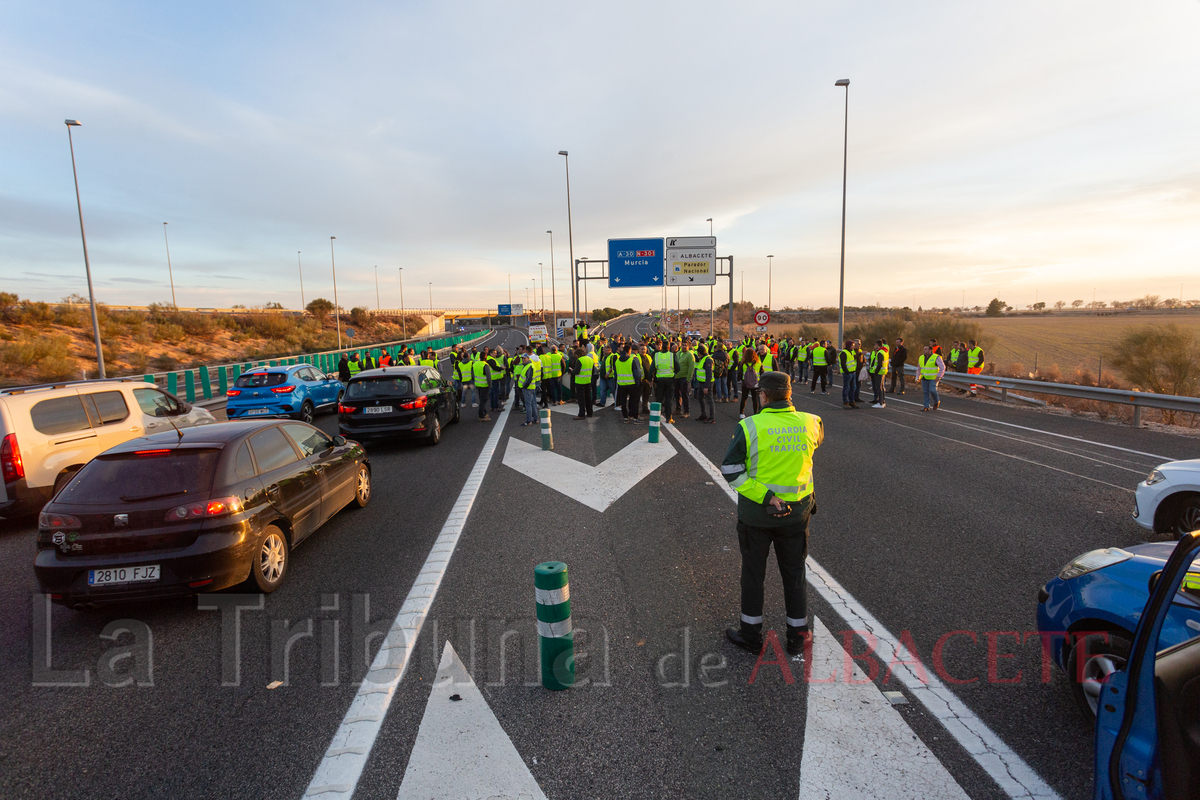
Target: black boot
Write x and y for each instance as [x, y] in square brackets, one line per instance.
[749, 638]
[796, 638]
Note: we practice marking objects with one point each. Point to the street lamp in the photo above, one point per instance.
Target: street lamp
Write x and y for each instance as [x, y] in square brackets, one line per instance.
[570, 237]
[553, 291]
[301, 270]
[542, 272]
[842, 275]
[431, 308]
[403, 319]
[376, 288]
[709, 221]
[169, 273]
[86, 264]
[769, 282]
[337, 317]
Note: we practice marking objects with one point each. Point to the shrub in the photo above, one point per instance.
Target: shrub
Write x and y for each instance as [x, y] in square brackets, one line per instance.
[37, 359]
[946, 330]
[168, 332]
[320, 309]
[888, 328]
[1164, 359]
[360, 317]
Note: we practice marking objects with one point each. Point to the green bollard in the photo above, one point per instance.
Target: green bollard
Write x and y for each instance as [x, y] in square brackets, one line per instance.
[223, 380]
[205, 383]
[655, 421]
[189, 385]
[173, 383]
[556, 641]
[272, 364]
[148, 379]
[547, 434]
[237, 371]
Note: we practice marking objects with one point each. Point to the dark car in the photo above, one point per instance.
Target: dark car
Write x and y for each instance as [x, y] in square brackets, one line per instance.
[194, 511]
[397, 402]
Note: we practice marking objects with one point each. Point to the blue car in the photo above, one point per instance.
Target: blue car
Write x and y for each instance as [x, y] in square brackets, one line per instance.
[1148, 726]
[298, 391]
[1097, 600]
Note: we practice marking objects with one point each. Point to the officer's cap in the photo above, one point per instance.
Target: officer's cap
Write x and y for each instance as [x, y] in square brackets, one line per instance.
[774, 381]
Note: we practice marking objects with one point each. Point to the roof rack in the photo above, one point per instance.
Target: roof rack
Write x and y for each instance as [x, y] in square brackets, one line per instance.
[60, 384]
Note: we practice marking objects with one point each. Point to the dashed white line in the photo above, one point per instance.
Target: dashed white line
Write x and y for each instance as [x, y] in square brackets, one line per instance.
[1004, 766]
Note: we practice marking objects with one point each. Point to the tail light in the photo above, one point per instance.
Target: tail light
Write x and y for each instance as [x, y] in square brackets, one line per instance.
[218, 506]
[57, 522]
[420, 402]
[233, 392]
[283, 389]
[346, 409]
[150, 453]
[10, 459]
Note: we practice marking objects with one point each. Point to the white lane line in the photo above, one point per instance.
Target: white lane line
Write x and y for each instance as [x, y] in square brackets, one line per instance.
[339, 771]
[1004, 766]
[856, 744]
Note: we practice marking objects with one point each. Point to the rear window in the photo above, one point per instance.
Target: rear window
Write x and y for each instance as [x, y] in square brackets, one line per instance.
[108, 406]
[387, 386]
[131, 478]
[253, 379]
[60, 415]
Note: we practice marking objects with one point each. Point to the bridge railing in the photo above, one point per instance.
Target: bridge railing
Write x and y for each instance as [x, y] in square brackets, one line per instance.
[1139, 400]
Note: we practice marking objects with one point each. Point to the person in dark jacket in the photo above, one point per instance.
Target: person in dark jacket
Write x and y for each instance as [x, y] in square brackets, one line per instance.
[344, 369]
[896, 365]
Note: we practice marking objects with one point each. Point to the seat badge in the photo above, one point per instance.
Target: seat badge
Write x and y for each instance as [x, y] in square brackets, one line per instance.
[120, 520]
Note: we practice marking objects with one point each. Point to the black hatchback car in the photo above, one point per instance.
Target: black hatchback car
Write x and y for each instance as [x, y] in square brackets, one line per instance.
[194, 511]
[398, 402]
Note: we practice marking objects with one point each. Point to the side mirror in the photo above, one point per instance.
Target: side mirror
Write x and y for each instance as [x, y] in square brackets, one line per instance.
[1154, 580]
[184, 407]
[339, 441]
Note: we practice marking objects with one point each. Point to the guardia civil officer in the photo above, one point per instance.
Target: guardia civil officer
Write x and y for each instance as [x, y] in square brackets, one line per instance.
[769, 463]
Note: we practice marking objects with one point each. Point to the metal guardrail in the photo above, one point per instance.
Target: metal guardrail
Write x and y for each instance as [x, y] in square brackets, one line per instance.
[1139, 400]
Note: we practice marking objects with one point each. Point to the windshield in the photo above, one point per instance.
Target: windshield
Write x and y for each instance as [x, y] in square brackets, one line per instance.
[127, 478]
[252, 379]
[369, 388]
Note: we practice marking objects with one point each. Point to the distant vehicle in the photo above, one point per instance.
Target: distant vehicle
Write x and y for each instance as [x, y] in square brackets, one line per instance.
[298, 391]
[461, 329]
[1147, 743]
[1098, 598]
[1168, 500]
[49, 431]
[195, 511]
[398, 403]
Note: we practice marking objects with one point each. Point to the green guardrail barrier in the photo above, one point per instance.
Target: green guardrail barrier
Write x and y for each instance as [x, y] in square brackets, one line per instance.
[148, 378]
[222, 381]
[173, 383]
[189, 385]
[205, 383]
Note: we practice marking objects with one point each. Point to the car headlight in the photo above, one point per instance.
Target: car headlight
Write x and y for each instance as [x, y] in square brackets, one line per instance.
[1154, 477]
[1090, 562]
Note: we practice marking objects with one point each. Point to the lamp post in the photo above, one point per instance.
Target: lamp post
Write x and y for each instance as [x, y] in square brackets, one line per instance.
[709, 221]
[842, 275]
[570, 237]
[301, 269]
[769, 264]
[553, 291]
[431, 308]
[337, 317]
[542, 272]
[71, 123]
[170, 274]
[510, 319]
[403, 319]
[377, 289]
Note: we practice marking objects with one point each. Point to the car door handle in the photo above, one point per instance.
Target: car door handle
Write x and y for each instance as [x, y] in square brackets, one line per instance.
[273, 491]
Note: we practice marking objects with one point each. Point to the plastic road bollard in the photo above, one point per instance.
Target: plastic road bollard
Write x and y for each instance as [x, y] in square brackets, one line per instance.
[556, 641]
[547, 434]
[655, 421]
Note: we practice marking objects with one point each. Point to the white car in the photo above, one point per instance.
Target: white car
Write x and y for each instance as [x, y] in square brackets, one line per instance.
[48, 432]
[1168, 500]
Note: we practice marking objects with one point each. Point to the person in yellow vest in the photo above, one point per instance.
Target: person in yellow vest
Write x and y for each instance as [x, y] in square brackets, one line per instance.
[355, 365]
[877, 367]
[974, 362]
[428, 359]
[628, 370]
[819, 355]
[535, 361]
[526, 386]
[482, 378]
[665, 365]
[582, 368]
[704, 385]
[463, 377]
[555, 373]
[769, 464]
[931, 369]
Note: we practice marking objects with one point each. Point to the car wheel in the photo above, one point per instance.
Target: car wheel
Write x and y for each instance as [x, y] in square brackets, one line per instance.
[63, 479]
[1187, 518]
[271, 561]
[362, 487]
[307, 413]
[1103, 659]
[435, 430]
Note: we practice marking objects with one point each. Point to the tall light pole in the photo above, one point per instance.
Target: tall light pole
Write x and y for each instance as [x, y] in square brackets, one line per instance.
[170, 274]
[842, 275]
[376, 288]
[769, 264]
[403, 319]
[570, 237]
[553, 291]
[431, 308]
[709, 221]
[337, 317]
[87, 266]
[542, 272]
[301, 269]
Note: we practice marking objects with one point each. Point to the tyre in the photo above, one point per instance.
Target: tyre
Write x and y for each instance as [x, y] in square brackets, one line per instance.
[435, 430]
[307, 412]
[1186, 518]
[362, 487]
[1103, 659]
[271, 561]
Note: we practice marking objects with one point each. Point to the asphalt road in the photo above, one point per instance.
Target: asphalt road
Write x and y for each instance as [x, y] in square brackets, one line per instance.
[934, 522]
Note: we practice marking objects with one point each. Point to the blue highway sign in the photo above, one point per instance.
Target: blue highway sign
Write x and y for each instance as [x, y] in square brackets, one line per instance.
[634, 263]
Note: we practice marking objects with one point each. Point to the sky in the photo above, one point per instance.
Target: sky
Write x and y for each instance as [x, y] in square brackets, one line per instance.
[1021, 150]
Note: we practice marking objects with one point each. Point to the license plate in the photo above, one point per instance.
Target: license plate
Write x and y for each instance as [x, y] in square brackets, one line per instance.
[377, 410]
[258, 411]
[108, 577]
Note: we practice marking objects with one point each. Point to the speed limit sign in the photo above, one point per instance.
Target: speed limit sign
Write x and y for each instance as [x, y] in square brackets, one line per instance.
[762, 317]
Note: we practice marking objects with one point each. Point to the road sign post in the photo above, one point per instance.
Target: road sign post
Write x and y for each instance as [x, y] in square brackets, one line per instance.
[761, 318]
[556, 641]
[691, 260]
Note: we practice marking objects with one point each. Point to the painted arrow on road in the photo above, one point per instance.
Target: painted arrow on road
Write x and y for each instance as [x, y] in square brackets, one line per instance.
[596, 487]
